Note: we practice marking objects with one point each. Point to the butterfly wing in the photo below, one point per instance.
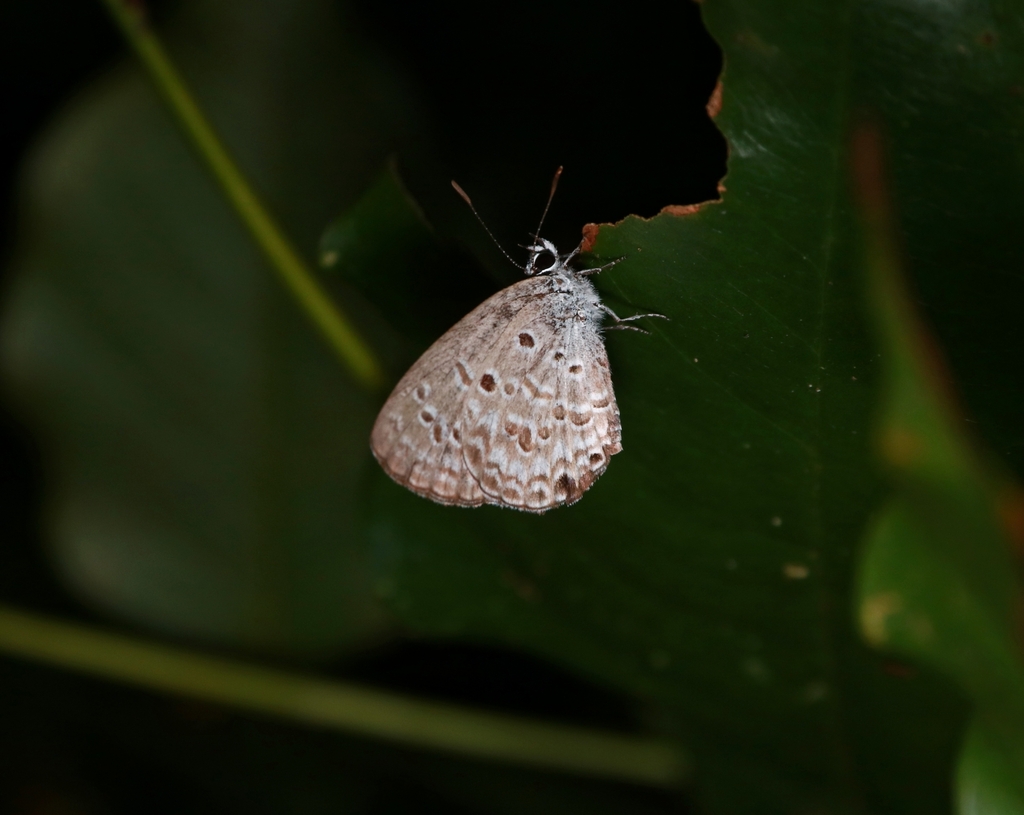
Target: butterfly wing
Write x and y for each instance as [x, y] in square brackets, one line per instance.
[418, 435]
[541, 421]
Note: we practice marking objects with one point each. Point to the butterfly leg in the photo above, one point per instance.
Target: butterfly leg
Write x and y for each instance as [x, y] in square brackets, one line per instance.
[620, 320]
[588, 272]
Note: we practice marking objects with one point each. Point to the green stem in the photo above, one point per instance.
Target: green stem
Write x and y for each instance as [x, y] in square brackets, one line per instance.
[350, 347]
[339, 706]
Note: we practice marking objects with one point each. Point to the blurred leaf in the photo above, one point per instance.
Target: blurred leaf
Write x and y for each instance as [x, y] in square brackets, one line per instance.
[384, 230]
[384, 241]
[988, 778]
[147, 753]
[205, 446]
[937, 581]
[362, 710]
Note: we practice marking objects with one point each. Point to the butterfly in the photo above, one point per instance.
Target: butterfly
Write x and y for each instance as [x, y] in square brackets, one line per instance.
[513, 405]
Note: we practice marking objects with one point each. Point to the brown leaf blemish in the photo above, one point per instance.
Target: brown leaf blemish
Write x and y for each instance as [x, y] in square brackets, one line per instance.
[714, 106]
[521, 586]
[900, 670]
[900, 446]
[1010, 511]
[683, 209]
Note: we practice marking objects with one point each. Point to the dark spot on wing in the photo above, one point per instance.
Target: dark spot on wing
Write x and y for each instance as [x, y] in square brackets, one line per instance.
[526, 440]
[487, 383]
[526, 340]
[566, 488]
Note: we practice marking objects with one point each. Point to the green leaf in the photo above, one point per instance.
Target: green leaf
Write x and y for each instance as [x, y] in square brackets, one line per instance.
[204, 445]
[937, 581]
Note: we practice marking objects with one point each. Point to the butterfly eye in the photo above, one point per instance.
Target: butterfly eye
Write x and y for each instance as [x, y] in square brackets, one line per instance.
[541, 262]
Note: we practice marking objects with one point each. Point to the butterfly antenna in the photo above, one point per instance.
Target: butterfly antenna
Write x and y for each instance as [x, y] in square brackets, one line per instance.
[547, 206]
[465, 198]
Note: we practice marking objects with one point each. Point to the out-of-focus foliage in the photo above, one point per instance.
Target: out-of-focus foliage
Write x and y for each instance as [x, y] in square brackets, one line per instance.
[209, 461]
[938, 582]
[205, 447]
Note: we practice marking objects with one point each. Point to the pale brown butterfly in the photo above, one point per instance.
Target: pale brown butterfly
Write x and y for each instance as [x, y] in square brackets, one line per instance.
[514, 404]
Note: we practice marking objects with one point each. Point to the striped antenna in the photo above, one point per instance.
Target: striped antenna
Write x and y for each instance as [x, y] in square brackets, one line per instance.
[547, 206]
[465, 198]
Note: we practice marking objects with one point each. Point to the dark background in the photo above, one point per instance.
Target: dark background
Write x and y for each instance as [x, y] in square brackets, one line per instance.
[511, 93]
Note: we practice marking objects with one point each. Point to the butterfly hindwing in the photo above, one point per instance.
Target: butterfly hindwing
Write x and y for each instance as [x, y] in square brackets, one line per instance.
[544, 428]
